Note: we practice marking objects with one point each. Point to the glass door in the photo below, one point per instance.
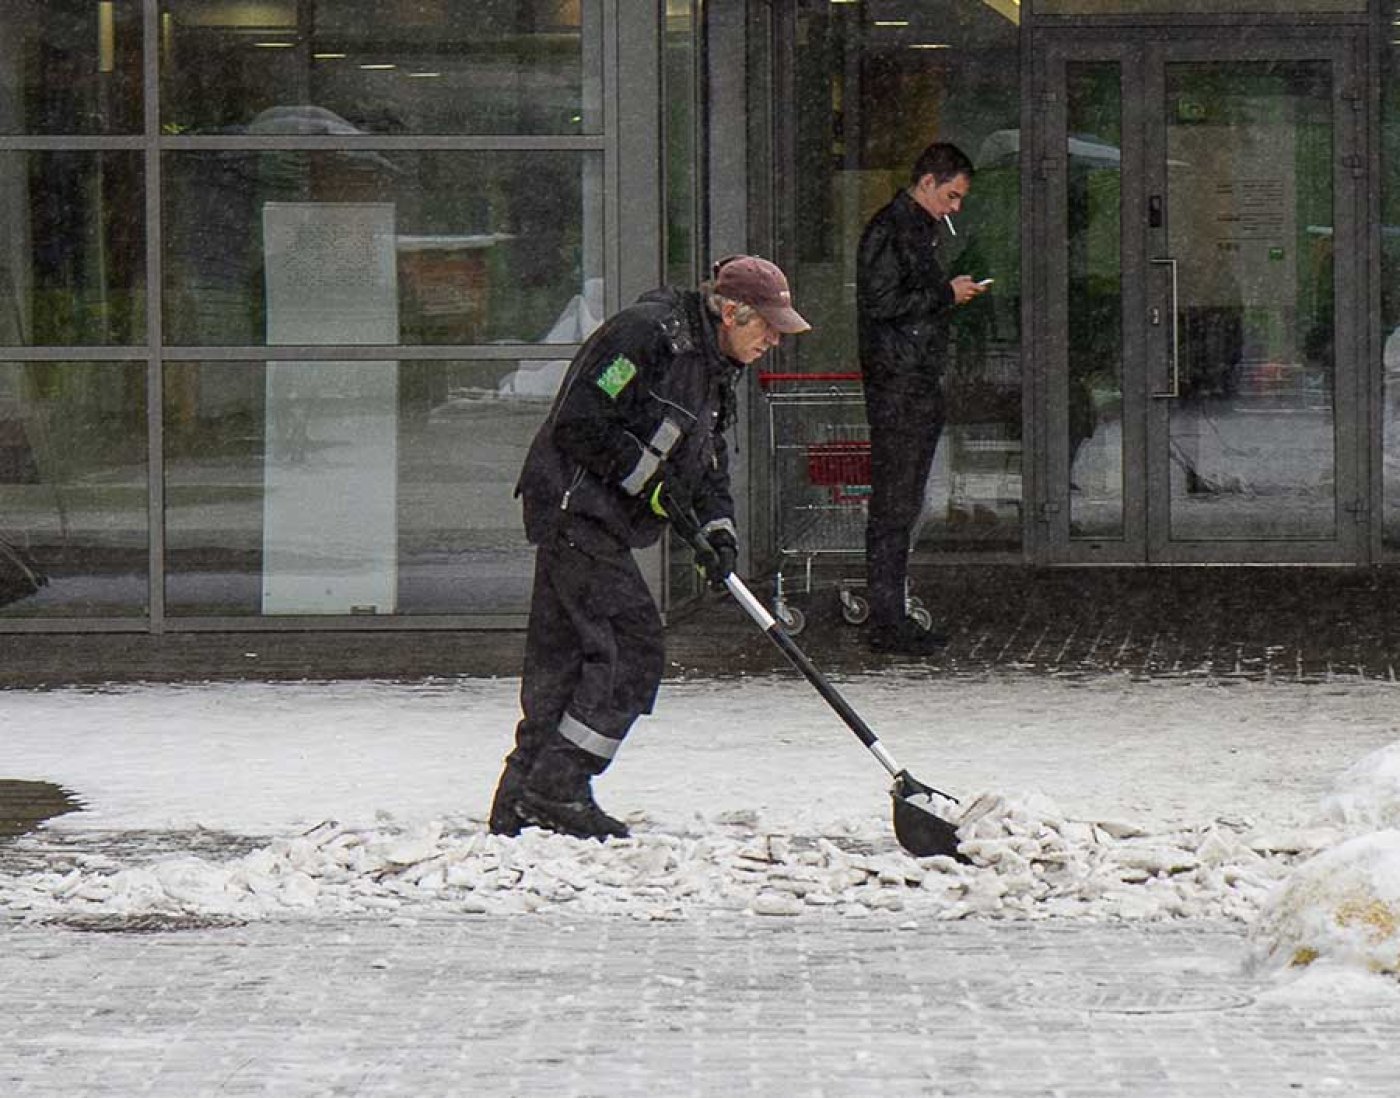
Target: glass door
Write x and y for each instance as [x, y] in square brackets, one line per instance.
[1200, 258]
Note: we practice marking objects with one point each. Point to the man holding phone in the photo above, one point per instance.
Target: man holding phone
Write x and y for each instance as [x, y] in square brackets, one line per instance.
[904, 301]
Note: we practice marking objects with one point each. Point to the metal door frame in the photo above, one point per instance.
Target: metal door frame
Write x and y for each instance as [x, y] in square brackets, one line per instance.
[1142, 54]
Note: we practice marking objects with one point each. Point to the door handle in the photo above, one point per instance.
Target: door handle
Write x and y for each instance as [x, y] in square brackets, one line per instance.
[1175, 390]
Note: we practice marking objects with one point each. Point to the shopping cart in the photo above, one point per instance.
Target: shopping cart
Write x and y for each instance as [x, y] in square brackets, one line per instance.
[820, 487]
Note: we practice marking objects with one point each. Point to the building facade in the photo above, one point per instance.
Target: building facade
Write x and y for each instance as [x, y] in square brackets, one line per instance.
[286, 286]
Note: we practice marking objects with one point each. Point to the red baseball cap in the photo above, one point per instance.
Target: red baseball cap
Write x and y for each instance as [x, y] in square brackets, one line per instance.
[762, 286]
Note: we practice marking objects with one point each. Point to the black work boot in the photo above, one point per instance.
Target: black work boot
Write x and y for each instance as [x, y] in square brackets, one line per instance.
[505, 805]
[558, 796]
[907, 638]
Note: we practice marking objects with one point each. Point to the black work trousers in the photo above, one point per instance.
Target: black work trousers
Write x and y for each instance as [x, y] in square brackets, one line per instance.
[905, 423]
[594, 649]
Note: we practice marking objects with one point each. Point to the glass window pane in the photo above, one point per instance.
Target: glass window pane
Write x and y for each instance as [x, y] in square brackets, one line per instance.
[870, 95]
[72, 271]
[73, 487]
[679, 97]
[488, 247]
[1249, 212]
[1094, 401]
[339, 488]
[70, 67]
[1389, 319]
[366, 66]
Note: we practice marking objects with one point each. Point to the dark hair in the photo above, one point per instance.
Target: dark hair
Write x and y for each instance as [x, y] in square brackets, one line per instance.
[943, 161]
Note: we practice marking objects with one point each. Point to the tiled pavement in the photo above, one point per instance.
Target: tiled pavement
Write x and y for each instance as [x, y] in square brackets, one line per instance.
[725, 1006]
[722, 1005]
[1308, 624]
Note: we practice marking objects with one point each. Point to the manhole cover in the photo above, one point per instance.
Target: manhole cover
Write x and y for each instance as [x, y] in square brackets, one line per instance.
[144, 924]
[1131, 999]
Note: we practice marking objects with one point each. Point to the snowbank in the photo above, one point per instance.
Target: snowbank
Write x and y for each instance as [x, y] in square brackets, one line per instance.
[1367, 795]
[1342, 906]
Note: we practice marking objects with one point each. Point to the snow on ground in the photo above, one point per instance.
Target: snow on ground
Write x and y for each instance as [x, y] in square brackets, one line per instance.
[1093, 799]
[1366, 796]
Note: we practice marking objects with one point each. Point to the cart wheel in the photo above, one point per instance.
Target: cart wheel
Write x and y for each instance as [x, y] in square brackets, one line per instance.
[793, 619]
[854, 609]
[922, 618]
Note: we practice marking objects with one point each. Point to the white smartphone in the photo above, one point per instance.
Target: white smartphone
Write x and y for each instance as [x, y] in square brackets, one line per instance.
[986, 282]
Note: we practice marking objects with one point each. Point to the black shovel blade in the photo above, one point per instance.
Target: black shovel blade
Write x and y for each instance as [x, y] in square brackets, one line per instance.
[917, 825]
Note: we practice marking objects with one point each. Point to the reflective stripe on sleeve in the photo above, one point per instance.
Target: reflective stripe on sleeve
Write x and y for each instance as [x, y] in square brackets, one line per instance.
[580, 735]
[654, 450]
[720, 524]
[643, 471]
[666, 435]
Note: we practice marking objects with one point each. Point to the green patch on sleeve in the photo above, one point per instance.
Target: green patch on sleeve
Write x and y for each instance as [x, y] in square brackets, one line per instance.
[615, 378]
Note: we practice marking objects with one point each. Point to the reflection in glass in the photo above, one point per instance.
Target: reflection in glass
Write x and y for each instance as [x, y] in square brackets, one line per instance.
[70, 67]
[460, 431]
[491, 246]
[1192, 7]
[1094, 396]
[865, 104]
[1249, 220]
[70, 272]
[447, 67]
[73, 487]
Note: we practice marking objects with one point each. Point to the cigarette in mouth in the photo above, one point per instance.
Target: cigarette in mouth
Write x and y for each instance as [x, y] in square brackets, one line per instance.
[949, 222]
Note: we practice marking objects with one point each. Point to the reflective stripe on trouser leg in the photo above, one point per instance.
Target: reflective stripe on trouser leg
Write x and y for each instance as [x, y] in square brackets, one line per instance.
[580, 735]
[595, 647]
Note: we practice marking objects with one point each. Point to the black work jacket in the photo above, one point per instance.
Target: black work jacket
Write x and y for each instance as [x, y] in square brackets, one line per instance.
[903, 299]
[649, 386]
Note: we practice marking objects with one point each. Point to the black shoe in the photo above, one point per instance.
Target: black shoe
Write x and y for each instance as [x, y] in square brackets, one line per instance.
[907, 639]
[581, 817]
[505, 805]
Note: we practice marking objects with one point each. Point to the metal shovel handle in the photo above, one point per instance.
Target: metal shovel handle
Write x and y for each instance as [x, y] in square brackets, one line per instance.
[919, 829]
[799, 659]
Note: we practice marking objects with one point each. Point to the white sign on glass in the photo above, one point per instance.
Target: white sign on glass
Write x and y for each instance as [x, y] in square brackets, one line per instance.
[330, 476]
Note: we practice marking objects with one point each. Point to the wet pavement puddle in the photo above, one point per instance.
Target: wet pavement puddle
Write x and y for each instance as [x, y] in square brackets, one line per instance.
[25, 805]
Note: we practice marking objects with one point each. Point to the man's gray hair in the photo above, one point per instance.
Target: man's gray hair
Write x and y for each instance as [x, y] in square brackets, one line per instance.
[715, 304]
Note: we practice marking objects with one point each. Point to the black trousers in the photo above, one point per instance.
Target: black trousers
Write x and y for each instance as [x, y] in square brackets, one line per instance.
[594, 649]
[905, 425]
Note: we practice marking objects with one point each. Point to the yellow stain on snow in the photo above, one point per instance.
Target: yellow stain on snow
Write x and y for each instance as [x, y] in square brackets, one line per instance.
[1381, 920]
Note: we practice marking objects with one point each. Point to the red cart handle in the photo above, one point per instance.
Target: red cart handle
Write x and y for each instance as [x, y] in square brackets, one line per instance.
[774, 377]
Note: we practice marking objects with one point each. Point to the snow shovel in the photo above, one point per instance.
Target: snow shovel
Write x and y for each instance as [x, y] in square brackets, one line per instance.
[920, 830]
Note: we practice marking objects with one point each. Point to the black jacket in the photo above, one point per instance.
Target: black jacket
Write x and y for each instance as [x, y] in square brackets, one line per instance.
[903, 300]
[649, 386]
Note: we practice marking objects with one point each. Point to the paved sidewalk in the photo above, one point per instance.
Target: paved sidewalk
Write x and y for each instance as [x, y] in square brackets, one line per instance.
[721, 1005]
[728, 1006]
[1311, 624]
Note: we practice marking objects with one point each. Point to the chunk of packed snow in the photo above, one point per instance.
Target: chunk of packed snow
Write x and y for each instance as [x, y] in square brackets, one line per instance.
[1367, 795]
[1342, 905]
[1028, 861]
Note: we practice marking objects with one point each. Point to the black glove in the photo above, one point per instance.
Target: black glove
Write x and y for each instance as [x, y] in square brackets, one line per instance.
[724, 554]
